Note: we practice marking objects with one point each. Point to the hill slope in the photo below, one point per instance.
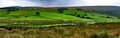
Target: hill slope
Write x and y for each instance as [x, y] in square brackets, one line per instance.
[109, 10]
[47, 14]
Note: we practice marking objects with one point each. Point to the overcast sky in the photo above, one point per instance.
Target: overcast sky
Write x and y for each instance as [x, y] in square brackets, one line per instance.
[47, 3]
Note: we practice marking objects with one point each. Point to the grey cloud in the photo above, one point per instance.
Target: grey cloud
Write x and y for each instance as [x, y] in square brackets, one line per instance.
[40, 2]
[52, 2]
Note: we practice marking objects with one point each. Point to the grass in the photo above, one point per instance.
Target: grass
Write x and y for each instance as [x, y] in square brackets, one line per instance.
[28, 14]
[94, 16]
[43, 16]
[59, 16]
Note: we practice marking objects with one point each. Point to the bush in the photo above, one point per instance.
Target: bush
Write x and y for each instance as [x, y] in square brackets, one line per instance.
[93, 36]
[83, 24]
[63, 32]
[79, 9]
[37, 13]
[101, 35]
[61, 10]
[78, 15]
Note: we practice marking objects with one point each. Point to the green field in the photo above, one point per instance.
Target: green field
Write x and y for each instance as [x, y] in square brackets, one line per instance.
[52, 17]
[31, 15]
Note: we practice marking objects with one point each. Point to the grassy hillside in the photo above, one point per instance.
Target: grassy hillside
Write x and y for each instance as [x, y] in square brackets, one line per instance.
[43, 16]
[109, 10]
[38, 16]
[91, 16]
[30, 14]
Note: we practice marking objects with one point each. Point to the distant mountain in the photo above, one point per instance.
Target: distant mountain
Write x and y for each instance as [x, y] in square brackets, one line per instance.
[20, 7]
[100, 8]
[109, 10]
[11, 7]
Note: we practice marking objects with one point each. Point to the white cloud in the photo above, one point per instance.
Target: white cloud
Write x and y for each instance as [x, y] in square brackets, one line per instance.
[100, 2]
[4, 3]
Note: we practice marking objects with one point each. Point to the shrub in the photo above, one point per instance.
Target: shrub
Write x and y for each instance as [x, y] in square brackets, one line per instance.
[63, 32]
[78, 15]
[101, 35]
[75, 14]
[94, 36]
[83, 24]
[61, 10]
[37, 13]
[79, 9]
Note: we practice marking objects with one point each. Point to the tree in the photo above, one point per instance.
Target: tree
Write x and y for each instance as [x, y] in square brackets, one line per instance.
[82, 16]
[75, 14]
[79, 9]
[85, 14]
[12, 9]
[37, 13]
[61, 10]
[78, 15]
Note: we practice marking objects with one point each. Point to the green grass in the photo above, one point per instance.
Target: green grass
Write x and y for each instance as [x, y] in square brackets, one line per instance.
[31, 15]
[32, 26]
[20, 15]
[59, 16]
[48, 16]
[95, 17]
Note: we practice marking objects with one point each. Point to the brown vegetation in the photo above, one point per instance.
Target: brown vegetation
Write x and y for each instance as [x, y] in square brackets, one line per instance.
[64, 32]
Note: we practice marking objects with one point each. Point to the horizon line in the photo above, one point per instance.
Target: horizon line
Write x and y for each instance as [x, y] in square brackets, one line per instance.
[58, 6]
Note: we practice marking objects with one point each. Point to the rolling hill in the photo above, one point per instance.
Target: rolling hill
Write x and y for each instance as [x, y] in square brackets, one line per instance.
[109, 10]
[58, 13]
[63, 22]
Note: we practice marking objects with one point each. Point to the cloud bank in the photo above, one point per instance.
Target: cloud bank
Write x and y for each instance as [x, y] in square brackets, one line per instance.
[47, 3]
